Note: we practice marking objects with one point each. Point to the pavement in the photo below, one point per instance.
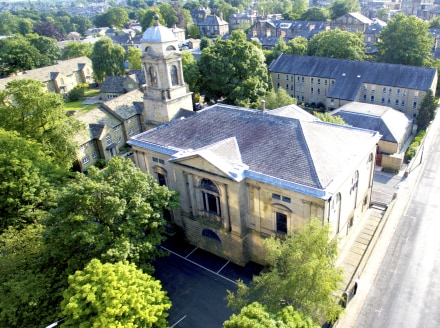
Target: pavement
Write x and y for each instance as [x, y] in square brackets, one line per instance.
[369, 242]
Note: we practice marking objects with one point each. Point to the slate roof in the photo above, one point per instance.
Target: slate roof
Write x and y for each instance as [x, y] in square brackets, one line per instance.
[140, 75]
[213, 20]
[48, 73]
[390, 123]
[113, 84]
[125, 106]
[350, 75]
[277, 149]
[293, 111]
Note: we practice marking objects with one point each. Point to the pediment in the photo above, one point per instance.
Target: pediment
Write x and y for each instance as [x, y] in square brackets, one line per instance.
[221, 158]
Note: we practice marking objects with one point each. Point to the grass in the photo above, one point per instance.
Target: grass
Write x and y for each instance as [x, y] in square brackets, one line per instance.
[79, 106]
[91, 92]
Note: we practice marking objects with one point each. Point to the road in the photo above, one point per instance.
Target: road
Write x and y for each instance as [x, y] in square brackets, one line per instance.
[406, 290]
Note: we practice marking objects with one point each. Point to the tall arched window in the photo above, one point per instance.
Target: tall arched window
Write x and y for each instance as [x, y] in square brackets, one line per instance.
[210, 197]
[174, 77]
[152, 75]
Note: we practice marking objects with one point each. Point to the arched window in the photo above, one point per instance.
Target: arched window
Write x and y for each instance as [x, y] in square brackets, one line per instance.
[174, 76]
[210, 197]
[152, 75]
[170, 48]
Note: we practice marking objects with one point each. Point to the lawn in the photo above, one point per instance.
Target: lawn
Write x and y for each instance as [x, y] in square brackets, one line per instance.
[79, 106]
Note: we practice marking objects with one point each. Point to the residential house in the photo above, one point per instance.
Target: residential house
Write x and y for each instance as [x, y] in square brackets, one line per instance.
[108, 128]
[199, 15]
[394, 127]
[242, 21]
[351, 22]
[244, 175]
[115, 86]
[213, 26]
[332, 82]
[59, 78]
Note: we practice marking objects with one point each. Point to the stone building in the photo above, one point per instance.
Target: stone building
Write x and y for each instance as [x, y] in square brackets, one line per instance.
[334, 82]
[59, 78]
[244, 175]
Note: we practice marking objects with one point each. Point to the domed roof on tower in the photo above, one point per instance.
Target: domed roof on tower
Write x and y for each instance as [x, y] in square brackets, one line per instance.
[158, 33]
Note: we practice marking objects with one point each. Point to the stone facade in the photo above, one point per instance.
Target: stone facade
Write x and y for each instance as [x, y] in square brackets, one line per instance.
[236, 192]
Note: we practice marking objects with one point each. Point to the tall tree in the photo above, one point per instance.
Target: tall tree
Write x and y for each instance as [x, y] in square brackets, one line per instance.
[28, 181]
[47, 47]
[168, 13]
[426, 111]
[297, 46]
[38, 115]
[17, 55]
[146, 18]
[278, 99]
[107, 59]
[28, 293]
[338, 8]
[75, 49]
[114, 214]
[191, 72]
[315, 14]
[301, 272]
[81, 24]
[134, 58]
[405, 40]
[337, 44]
[255, 315]
[114, 295]
[117, 17]
[48, 29]
[234, 69]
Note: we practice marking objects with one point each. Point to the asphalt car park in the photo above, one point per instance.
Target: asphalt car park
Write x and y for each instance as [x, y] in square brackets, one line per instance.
[197, 284]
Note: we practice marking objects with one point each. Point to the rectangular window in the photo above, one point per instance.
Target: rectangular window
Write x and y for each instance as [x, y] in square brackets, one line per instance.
[108, 139]
[278, 76]
[286, 199]
[117, 127]
[94, 154]
[161, 180]
[85, 160]
[311, 80]
[276, 196]
[119, 139]
[161, 161]
[319, 81]
[155, 160]
[211, 203]
[281, 219]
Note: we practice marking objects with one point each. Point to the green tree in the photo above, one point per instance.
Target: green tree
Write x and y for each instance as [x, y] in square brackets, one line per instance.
[114, 295]
[255, 315]
[315, 14]
[426, 111]
[117, 17]
[81, 24]
[114, 214]
[17, 54]
[146, 18]
[205, 42]
[278, 99]
[435, 22]
[25, 26]
[38, 115]
[234, 69]
[75, 49]
[326, 117]
[299, 7]
[134, 58]
[191, 72]
[405, 40]
[301, 273]
[383, 14]
[297, 46]
[28, 294]
[193, 32]
[168, 13]
[107, 59]
[28, 180]
[337, 44]
[338, 8]
[47, 47]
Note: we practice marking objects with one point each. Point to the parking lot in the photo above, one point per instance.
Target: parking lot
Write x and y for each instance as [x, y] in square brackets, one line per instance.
[197, 284]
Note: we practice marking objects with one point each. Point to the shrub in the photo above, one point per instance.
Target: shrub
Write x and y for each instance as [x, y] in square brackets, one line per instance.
[76, 94]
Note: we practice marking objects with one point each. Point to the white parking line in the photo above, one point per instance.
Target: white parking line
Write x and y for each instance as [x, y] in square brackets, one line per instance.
[179, 321]
[223, 267]
[192, 251]
[200, 266]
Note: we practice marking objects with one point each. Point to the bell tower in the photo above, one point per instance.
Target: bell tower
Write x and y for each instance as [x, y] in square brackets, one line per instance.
[165, 93]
